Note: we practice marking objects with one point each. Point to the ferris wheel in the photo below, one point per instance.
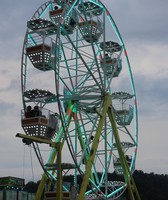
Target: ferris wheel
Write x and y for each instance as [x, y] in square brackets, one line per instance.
[78, 90]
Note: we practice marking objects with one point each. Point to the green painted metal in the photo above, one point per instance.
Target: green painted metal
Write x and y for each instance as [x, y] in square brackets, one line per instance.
[53, 155]
[78, 69]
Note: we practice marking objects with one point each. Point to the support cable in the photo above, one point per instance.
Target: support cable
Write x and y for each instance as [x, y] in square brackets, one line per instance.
[31, 164]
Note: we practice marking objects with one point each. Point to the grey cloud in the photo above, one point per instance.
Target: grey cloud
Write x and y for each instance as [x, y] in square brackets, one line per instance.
[6, 107]
[142, 20]
[152, 96]
[14, 16]
[14, 85]
[138, 21]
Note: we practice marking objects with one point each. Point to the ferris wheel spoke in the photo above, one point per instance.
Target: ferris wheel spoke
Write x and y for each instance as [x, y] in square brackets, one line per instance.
[85, 64]
[97, 64]
[67, 67]
[39, 13]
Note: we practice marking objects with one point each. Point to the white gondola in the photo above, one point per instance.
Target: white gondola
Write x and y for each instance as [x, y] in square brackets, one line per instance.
[90, 8]
[111, 66]
[90, 30]
[40, 50]
[65, 195]
[42, 27]
[124, 116]
[117, 164]
[68, 22]
[64, 2]
[40, 123]
[123, 111]
[41, 56]
[110, 46]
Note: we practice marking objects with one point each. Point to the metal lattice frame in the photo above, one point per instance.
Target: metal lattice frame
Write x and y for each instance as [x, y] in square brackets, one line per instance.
[83, 80]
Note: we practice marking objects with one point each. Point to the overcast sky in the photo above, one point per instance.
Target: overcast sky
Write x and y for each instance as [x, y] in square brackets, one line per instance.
[144, 29]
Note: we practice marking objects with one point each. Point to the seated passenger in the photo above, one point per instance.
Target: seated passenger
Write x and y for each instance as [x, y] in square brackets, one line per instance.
[36, 111]
[128, 159]
[52, 121]
[52, 126]
[29, 112]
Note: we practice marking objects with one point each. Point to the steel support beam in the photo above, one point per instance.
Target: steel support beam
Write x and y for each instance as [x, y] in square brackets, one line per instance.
[94, 147]
[59, 172]
[132, 189]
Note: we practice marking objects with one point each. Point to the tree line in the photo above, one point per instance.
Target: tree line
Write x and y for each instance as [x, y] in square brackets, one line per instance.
[150, 186]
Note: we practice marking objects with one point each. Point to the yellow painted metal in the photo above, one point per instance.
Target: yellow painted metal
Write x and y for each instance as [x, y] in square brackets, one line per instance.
[36, 139]
[52, 158]
[81, 141]
[80, 138]
[94, 147]
[106, 109]
[132, 189]
[44, 178]
[39, 192]
[59, 172]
